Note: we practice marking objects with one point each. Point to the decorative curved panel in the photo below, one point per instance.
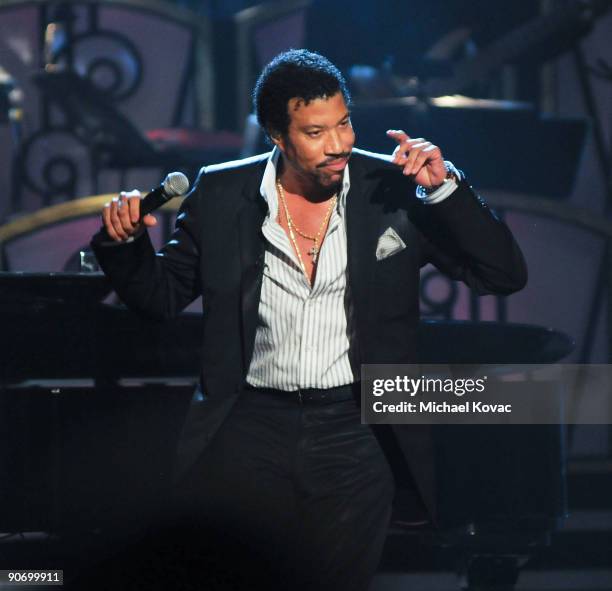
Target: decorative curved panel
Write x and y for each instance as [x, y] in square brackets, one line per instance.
[438, 294]
[109, 60]
[52, 161]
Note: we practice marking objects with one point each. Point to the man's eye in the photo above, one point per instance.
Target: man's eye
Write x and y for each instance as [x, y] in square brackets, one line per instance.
[314, 133]
[345, 123]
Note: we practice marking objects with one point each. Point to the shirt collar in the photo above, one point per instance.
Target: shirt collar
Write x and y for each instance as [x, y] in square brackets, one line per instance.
[268, 186]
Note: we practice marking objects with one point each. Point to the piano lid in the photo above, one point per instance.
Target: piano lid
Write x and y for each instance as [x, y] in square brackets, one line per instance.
[22, 287]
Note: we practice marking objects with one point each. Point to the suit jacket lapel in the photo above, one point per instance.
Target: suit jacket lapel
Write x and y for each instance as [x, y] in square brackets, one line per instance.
[362, 222]
[252, 251]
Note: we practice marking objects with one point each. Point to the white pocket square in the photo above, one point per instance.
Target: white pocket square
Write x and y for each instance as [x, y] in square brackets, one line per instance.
[389, 243]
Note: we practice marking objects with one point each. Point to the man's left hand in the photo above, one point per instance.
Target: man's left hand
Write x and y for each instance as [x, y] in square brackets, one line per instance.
[419, 159]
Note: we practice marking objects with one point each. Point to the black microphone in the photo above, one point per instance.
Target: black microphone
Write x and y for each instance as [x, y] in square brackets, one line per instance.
[175, 184]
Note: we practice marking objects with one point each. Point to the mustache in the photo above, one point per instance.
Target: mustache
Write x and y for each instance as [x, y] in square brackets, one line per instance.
[343, 156]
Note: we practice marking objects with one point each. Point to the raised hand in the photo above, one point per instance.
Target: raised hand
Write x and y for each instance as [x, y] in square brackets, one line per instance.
[419, 159]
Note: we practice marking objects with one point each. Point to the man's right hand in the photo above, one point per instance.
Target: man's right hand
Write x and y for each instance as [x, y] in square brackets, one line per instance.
[121, 217]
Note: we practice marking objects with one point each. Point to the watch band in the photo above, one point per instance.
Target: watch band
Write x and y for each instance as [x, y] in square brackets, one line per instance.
[452, 175]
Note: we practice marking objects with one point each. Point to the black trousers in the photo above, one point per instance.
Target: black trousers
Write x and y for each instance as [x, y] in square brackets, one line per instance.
[288, 495]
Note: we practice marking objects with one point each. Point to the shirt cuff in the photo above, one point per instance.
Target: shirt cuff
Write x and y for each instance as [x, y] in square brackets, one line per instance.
[442, 192]
[115, 243]
[104, 240]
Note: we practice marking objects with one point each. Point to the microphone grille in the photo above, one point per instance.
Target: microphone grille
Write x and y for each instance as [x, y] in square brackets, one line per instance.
[175, 184]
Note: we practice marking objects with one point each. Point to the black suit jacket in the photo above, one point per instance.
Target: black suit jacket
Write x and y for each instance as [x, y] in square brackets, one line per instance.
[217, 251]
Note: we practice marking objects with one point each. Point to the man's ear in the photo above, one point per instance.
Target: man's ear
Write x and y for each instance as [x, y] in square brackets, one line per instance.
[277, 140]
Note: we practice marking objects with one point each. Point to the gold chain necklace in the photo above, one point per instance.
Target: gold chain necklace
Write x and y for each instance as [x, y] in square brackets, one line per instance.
[315, 249]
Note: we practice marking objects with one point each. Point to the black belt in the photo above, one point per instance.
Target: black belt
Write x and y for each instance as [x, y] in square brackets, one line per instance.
[311, 395]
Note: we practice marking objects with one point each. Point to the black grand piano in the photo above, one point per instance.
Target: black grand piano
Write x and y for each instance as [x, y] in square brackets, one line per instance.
[92, 399]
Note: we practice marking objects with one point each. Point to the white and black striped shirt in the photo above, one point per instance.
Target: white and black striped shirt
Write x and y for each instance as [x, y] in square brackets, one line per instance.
[305, 336]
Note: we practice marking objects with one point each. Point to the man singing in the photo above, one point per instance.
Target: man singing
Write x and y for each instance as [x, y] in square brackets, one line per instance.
[307, 259]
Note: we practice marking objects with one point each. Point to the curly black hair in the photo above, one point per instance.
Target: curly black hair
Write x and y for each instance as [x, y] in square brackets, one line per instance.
[295, 73]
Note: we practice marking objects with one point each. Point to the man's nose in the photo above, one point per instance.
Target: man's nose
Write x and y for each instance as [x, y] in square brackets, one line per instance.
[334, 143]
